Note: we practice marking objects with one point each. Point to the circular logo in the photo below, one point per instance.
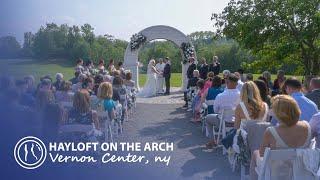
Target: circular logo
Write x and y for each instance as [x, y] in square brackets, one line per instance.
[30, 152]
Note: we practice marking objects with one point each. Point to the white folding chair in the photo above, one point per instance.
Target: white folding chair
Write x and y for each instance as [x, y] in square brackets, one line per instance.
[227, 114]
[103, 116]
[266, 170]
[203, 114]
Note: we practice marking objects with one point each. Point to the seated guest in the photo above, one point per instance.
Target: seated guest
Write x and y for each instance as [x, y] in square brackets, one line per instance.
[45, 85]
[315, 128]
[225, 74]
[75, 79]
[240, 83]
[31, 84]
[192, 82]
[98, 79]
[308, 108]
[64, 94]
[292, 132]
[212, 92]
[251, 106]
[76, 87]
[26, 99]
[17, 120]
[121, 69]
[128, 80]
[242, 76]
[267, 76]
[117, 88]
[101, 67]
[87, 86]
[88, 68]
[81, 112]
[196, 103]
[314, 95]
[208, 82]
[59, 81]
[105, 93]
[52, 116]
[278, 82]
[230, 98]
[111, 67]
[264, 93]
[79, 67]
[44, 98]
[120, 94]
[249, 77]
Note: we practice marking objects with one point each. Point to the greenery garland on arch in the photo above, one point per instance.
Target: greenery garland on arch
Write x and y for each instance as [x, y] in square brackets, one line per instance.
[136, 40]
[188, 51]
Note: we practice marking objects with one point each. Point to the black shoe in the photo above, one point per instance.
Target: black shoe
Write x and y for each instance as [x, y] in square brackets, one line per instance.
[185, 106]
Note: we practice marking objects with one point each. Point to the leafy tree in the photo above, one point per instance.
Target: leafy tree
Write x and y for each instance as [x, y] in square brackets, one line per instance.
[87, 33]
[9, 47]
[277, 31]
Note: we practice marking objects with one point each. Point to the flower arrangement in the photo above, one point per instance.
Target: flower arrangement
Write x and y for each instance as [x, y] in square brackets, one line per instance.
[136, 40]
[187, 50]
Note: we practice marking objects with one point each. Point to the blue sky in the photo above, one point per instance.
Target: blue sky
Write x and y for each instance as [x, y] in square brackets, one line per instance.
[120, 18]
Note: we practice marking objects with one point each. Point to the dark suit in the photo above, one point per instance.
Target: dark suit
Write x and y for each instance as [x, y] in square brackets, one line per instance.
[167, 76]
[215, 69]
[315, 97]
[203, 70]
[190, 70]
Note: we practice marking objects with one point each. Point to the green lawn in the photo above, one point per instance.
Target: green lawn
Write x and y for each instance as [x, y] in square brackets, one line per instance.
[23, 67]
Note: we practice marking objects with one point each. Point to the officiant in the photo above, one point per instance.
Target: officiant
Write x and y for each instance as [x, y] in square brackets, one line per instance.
[160, 79]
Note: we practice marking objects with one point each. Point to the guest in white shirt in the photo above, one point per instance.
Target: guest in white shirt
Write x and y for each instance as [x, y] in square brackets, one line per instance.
[160, 79]
[230, 98]
[315, 128]
[240, 83]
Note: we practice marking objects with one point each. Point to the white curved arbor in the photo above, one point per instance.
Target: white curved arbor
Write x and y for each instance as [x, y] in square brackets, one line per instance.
[153, 33]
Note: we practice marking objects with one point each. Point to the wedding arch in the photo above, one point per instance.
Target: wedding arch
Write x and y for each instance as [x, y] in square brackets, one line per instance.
[158, 32]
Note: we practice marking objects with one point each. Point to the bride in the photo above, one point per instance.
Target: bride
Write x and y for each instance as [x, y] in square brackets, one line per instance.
[150, 87]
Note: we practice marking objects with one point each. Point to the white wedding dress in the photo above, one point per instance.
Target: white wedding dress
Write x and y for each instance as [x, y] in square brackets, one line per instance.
[150, 87]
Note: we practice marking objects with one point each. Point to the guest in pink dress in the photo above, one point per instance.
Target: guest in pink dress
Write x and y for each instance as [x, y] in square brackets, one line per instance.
[208, 82]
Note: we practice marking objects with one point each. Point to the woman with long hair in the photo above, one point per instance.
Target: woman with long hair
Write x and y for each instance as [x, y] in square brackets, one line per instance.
[81, 111]
[251, 106]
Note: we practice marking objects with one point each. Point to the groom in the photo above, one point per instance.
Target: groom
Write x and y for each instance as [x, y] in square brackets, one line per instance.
[167, 75]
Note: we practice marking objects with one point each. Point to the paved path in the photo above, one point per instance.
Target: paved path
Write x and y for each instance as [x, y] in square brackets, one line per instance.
[161, 119]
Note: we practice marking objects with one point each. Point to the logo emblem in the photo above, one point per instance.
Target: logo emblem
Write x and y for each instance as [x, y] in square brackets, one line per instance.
[30, 152]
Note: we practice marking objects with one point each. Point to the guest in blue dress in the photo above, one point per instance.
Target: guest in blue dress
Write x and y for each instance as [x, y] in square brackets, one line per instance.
[211, 94]
[105, 93]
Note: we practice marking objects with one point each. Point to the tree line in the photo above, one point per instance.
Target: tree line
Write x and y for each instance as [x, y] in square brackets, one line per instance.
[73, 42]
